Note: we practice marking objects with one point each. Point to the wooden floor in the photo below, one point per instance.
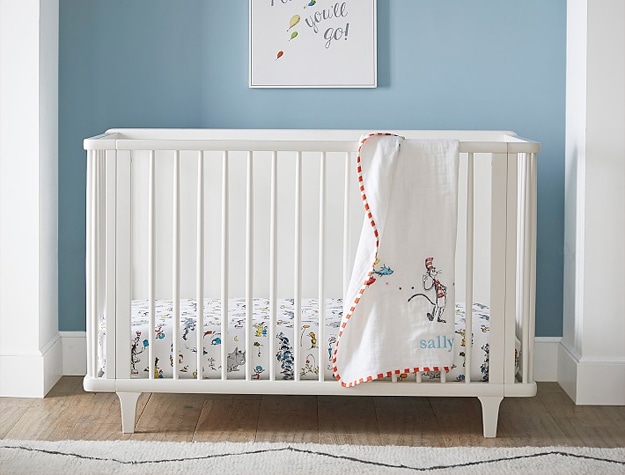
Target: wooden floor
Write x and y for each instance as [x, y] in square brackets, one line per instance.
[550, 418]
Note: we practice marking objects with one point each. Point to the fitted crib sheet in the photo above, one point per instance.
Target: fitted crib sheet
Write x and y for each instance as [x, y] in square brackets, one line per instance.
[315, 356]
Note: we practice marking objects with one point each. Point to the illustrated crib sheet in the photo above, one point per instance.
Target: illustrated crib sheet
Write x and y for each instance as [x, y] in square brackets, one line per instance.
[315, 356]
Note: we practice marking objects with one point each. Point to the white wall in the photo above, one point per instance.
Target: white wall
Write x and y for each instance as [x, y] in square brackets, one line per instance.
[605, 180]
[30, 349]
[591, 365]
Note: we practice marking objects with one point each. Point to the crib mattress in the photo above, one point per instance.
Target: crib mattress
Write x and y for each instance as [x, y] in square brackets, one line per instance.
[315, 355]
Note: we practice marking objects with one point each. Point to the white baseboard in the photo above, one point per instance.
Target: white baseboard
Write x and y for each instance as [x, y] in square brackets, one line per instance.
[74, 353]
[545, 356]
[591, 381]
[31, 375]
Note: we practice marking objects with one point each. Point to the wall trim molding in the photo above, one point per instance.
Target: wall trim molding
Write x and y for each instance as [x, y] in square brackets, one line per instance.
[546, 358]
[591, 381]
[74, 353]
[43, 368]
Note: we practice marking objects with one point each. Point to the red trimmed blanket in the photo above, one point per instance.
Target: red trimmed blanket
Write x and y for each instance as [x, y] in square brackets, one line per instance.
[399, 309]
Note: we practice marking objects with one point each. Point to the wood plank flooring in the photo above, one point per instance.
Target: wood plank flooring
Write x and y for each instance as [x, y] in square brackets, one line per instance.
[550, 418]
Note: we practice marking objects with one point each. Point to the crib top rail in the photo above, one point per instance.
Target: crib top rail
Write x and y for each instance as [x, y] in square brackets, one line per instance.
[286, 140]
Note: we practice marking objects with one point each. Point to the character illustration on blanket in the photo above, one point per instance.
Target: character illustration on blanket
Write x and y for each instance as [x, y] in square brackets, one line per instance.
[380, 271]
[430, 281]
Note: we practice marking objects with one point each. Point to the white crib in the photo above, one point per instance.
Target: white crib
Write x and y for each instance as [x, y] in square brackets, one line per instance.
[189, 216]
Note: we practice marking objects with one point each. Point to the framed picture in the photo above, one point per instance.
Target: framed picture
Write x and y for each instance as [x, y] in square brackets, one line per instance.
[312, 43]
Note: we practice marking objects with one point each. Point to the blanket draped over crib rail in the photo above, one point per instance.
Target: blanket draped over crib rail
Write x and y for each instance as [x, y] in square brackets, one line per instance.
[399, 308]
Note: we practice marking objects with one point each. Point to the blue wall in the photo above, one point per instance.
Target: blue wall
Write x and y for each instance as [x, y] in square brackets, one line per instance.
[454, 64]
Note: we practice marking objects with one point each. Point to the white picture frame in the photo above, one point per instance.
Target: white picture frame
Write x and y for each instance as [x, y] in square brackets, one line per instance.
[312, 44]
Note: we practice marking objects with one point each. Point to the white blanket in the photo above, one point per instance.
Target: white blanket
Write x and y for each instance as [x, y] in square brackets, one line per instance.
[399, 309]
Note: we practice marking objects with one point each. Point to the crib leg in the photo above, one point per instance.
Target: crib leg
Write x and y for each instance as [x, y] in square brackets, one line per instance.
[128, 404]
[490, 414]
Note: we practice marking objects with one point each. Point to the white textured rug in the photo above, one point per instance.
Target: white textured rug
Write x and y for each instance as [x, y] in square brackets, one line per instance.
[74, 457]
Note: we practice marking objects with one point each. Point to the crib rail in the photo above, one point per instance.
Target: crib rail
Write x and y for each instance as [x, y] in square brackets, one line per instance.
[485, 142]
[112, 242]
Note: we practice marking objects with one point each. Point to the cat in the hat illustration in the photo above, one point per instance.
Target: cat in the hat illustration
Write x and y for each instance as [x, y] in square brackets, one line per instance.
[430, 281]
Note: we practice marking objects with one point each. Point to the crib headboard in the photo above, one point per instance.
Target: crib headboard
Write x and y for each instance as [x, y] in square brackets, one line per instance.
[274, 213]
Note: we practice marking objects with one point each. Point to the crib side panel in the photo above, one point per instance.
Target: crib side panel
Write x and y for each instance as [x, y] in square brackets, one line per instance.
[246, 219]
[480, 249]
[236, 196]
[289, 223]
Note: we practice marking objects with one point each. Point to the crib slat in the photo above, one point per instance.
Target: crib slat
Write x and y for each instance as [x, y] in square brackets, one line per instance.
[91, 322]
[200, 265]
[273, 263]
[468, 329]
[531, 323]
[249, 265]
[346, 187]
[523, 260]
[176, 262]
[297, 299]
[225, 212]
[97, 238]
[151, 259]
[499, 181]
[100, 243]
[511, 267]
[534, 214]
[322, 299]
[123, 255]
[110, 273]
[100, 284]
